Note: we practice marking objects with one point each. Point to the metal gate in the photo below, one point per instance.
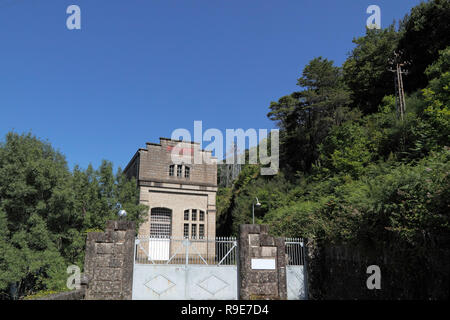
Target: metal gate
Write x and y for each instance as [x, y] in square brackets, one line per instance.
[197, 269]
[296, 269]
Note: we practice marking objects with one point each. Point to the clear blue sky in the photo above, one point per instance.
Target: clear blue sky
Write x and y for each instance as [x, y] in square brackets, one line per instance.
[138, 69]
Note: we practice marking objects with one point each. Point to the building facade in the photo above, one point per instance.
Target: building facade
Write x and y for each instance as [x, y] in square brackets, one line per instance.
[181, 197]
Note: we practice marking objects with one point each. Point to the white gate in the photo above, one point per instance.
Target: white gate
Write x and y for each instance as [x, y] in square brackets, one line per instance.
[160, 229]
[295, 269]
[173, 269]
[159, 249]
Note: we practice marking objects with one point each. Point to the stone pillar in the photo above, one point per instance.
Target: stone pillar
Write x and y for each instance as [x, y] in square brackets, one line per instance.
[108, 264]
[262, 264]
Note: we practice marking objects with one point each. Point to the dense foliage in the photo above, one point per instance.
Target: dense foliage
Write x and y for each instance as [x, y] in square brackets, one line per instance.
[46, 211]
[351, 171]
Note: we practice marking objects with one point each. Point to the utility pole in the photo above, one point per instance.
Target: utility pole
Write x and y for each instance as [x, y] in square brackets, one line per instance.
[397, 65]
[236, 163]
[230, 172]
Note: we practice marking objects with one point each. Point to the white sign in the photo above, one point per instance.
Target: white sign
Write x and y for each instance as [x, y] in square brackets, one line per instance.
[263, 264]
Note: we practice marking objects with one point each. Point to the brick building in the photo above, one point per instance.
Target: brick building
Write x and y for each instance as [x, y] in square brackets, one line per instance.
[181, 197]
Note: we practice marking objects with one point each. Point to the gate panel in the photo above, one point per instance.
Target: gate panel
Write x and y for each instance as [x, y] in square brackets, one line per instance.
[295, 283]
[197, 269]
[212, 282]
[159, 249]
[158, 282]
[295, 269]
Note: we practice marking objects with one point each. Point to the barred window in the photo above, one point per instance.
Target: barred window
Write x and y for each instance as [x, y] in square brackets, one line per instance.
[187, 172]
[193, 231]
[201, 231]
[186, 215]
[186, 230]
[201, 216]
[159, 230]
[171, 170]
[179, 170]
[160, 222]
[194, 215]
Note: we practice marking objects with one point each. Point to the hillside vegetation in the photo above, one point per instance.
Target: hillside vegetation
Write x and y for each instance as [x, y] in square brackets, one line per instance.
[352, 172]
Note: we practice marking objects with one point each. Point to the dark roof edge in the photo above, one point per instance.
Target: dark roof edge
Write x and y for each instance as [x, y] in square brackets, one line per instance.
[131, 161]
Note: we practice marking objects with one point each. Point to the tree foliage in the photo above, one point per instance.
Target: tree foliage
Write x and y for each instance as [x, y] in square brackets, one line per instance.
[424, 32]
[366, 69]
[306, 116]
[372, 180]
[46, 210]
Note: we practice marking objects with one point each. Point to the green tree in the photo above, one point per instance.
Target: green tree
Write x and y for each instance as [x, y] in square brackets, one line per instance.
[127, 195]
[35, 201]
[347, 150]
[46, 211]
[366, 69]
[424, 32]
[305, 117]
[437, 98]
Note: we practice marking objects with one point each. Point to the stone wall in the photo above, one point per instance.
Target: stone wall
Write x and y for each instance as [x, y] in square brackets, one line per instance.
[108, 263]
[257, 249]
[340, 272]
[78, 294]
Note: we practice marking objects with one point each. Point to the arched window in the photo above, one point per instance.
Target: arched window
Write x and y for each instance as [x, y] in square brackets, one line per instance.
[160, 223]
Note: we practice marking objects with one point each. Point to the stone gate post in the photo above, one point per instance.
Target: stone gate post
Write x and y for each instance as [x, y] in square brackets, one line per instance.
[109, 262]
[262, 264]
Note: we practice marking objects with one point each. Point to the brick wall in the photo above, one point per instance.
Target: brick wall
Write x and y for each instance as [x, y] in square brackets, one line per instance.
[154, 162]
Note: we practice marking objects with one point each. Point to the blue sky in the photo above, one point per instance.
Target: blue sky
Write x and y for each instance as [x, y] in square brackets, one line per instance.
[138, 69]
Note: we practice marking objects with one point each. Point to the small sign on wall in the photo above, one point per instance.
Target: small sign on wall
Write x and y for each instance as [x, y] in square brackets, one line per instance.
[263, 264]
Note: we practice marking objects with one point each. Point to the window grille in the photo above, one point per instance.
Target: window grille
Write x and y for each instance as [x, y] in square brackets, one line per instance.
[171, 170]
[194, 215]
[160, 222]
[193, 231]
[201, 231]
[201, 216]
[179, 170]
[187, 172]
[186, 215]
[186, 230]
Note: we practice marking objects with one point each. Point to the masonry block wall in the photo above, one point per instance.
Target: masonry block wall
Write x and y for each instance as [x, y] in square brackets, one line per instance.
[258, 279]
[109, 262]
[339, 272]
